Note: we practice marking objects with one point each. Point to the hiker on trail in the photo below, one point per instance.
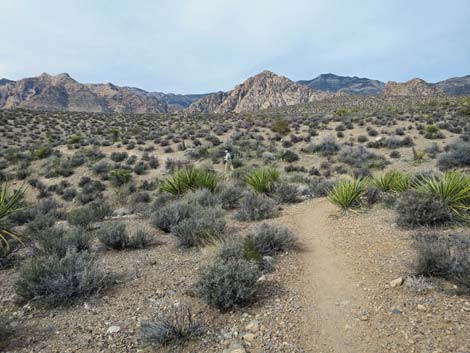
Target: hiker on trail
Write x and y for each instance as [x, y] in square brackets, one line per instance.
[228, 161]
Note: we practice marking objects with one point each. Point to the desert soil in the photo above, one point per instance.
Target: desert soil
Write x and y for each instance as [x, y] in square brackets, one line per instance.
[348, 304]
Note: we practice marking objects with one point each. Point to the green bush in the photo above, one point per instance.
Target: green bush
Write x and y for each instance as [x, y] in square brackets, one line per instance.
[120, 177]
[347, 194]
[187, 179]
[280, 126]
[263, 180]
[453, 188]
[393, 181]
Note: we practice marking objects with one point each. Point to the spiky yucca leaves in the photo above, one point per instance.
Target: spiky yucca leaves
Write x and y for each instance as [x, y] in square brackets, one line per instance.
[187, 179]
[263, 180]
[453, 188]
[9, 203]
[393, 181]
[347, 194]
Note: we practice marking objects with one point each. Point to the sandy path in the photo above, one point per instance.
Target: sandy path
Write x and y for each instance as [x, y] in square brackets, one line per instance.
[332, 297]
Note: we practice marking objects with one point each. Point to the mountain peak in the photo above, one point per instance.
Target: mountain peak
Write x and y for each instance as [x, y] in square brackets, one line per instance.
[345, 84]
[262, 91]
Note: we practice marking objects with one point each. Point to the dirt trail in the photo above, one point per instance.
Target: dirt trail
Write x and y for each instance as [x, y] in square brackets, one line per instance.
[334, 321]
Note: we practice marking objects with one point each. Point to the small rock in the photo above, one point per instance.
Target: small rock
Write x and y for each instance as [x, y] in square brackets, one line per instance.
[253, 326]
[421, 307]
[113, 329]
[249, 337]
[396, 282]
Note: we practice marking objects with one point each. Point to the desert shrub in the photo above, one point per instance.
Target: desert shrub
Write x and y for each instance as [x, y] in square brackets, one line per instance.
[230, 196]
[56, 280]
[187, 179]
[120, 177]
[141, 197]
[321, 188]
[347, 194]
[280, 126]
[225, 284]
[101, 168]
[269, 239]
[255, 207]
[327, 147]
[289, 156]
[42, 152]
[174, 325]
[118, 156]
[422, 209]
[457, 156]
[86, 215]
[141, 239]
[69, 194]
[286, 193]
[57, 241]
[360, 157]
[263, 180]
[204, 198]
[443, 256]
[7, 253]
[114, 235]
[433, 132]
[171, 214]
[362, 139]
[204, 226]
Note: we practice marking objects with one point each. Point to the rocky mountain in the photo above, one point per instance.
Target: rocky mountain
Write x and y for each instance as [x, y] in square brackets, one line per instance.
[265, 90]
[61, 92]
[345, 84]
[413, 88]
[455, 86]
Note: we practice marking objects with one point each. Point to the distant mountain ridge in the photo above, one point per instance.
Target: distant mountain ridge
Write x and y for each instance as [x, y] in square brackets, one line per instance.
[345, 84]
[262, 91]
[61, 92]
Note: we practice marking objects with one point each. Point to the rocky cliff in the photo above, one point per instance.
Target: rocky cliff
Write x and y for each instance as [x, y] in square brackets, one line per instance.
[265, 90]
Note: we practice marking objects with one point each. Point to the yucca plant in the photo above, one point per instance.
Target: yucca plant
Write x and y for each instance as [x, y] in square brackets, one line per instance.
[9, 203]
[263, 180]
[393, 181]
[187, 179]
[347, 194]
[452, 188]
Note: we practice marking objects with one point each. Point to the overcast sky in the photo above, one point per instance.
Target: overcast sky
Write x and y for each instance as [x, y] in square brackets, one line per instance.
[196, 46]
